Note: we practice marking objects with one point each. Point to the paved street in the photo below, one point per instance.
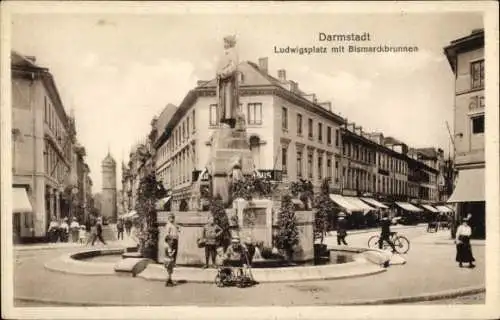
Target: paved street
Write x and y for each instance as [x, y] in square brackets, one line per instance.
[430, 268]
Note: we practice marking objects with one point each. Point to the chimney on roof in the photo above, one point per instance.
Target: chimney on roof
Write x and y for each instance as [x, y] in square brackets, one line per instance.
[326, 105]
[282, 74]
[311, 97]
[263, 63]
[31, 58]
[294, 86]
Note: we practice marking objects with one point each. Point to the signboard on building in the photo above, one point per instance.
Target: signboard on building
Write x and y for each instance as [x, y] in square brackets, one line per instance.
[274, 175]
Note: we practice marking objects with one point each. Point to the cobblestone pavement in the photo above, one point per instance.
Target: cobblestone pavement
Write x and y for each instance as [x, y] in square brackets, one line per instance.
[429, 269]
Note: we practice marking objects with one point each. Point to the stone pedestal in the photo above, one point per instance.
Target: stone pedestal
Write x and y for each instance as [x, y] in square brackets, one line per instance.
[256, 221]
[191, 228]
[228, 146]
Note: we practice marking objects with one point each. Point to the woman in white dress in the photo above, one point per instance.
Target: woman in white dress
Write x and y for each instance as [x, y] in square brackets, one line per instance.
[462, 240]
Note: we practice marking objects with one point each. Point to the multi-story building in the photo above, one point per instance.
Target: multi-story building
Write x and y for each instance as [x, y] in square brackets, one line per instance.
[291, 134]
[359, 162]
[161, 159]
[466, 58]
[42, 140]
[141, 159]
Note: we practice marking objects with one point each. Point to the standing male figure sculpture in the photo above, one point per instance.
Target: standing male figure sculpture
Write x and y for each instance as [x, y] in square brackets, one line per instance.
[227, 83]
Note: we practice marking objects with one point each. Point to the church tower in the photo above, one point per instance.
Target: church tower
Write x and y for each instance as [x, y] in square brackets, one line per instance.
[108, 204]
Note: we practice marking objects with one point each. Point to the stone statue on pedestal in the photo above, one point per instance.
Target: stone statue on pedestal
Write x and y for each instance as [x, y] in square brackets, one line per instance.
[227, 83]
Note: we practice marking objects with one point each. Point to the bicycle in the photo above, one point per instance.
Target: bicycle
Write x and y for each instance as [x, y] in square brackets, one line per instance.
[401, 243]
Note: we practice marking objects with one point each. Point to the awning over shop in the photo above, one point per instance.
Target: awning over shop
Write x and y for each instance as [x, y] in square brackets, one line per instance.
[470, 186]
[162, 202]
[374, 203]
[408, 207]
[20, 201]
[358, 203]
[430, 208]
[344, 203]
[444, 209]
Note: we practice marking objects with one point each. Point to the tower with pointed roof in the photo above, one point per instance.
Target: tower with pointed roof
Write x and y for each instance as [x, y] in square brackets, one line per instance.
[109, 205]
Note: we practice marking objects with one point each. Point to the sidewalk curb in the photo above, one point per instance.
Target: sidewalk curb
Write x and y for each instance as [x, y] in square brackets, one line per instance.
[443, 295]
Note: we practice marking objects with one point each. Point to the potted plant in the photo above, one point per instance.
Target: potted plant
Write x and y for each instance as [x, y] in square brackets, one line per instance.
[149, 192]
[287, 236]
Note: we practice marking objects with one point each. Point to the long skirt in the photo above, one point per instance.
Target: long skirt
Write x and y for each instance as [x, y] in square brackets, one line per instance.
[464, 251]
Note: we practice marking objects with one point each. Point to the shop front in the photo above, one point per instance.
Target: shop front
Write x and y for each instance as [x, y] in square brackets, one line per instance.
[470, 201]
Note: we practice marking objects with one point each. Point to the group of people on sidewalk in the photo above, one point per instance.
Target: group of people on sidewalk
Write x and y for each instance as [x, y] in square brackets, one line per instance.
[85, 233]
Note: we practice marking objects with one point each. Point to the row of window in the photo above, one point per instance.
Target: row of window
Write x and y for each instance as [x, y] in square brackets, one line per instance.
[358, 152]
[181, 168]
[319, 165]
[358, 179]
[252, 113]
[389, 185]
[52, 119]
[179, 136]
[310, 126]
[53, 165]
[386, 162]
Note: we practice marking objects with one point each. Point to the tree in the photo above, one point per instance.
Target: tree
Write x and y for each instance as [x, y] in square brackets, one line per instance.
[287, 235]
[221, 219]
[149, 192]
[324, 209]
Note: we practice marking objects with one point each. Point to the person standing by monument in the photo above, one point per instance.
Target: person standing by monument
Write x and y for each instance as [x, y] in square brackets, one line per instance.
[172, 235]
[211, 233]
[227, 83]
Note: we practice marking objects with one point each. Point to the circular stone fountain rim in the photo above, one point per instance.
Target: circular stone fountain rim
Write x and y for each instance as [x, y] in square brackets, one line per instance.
[363, 267]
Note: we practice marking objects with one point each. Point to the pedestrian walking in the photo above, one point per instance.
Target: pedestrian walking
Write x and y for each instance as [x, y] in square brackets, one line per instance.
[385, 233]
[341, 229]
[462, 240]
[211, 233]
[172, 234]
[169, 262]
[98, 230]
[119, 229]
[128, 226]
[74, 228]
[53, 230]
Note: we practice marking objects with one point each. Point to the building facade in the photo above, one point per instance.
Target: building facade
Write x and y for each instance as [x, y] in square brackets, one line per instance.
[291, 134]
[108, 194]
[42, 142]
[466, 58]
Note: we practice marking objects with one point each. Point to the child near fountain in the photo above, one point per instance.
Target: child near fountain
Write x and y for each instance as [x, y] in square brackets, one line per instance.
[169, 261]
[82, 234]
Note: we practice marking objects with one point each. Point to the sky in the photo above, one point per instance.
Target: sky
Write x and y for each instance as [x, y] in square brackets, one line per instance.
[117, 71]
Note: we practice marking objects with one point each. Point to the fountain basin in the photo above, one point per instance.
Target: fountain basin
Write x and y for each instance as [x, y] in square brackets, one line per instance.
[86, 263]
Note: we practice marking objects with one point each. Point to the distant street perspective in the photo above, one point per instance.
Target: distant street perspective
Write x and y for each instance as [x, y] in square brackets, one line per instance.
[223, 173]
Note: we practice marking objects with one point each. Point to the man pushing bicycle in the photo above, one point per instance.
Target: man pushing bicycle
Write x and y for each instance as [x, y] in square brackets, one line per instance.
[385, 234]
